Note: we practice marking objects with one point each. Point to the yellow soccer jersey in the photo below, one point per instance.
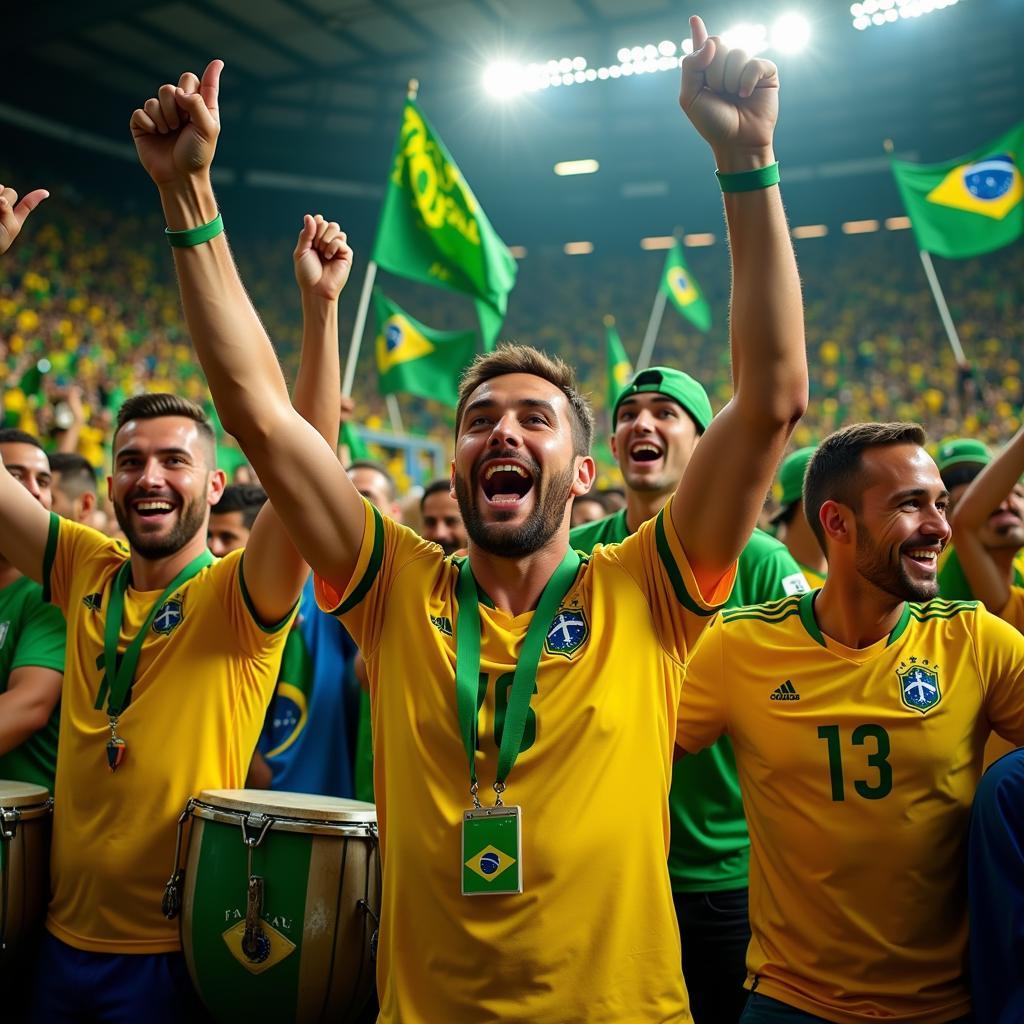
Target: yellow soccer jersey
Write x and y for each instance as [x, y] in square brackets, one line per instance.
[204, 678]
[1013, 610]
[815, 579]
[593, 936]
[858, 768]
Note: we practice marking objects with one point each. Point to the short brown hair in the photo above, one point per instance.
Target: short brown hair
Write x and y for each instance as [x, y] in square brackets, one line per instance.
[158, 404]
[833, 474]
[508, 358]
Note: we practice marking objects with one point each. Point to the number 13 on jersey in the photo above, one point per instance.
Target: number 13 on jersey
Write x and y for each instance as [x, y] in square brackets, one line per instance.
[873, 752]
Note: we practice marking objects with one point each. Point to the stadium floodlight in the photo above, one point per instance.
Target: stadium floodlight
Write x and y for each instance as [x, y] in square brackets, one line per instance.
[897, 223]
[885, 12]
[657, 242]
[753, 39]
[518, 251]
[578, 248]
[791, 32]
[859, 227]
[503, 79]
[567, 167]
[699, 240]
[810, 231]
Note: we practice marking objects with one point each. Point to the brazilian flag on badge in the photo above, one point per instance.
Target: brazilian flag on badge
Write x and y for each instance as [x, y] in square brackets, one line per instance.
[681, 287]
[969, 205]
[416, 359]
[492, 857]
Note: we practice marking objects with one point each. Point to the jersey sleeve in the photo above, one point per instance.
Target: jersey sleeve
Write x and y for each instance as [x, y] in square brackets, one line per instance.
[703, 709]
[387, 549]
[779, 577]
[655, 559]
[1000, 650]
[227, 577]
[76, 558]
[41, 639]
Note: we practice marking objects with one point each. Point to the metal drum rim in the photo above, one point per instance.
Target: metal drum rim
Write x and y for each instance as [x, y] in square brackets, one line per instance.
[286, 823]
[27, 812]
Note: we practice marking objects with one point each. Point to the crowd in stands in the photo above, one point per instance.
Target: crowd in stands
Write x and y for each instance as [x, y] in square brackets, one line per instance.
[86, 323]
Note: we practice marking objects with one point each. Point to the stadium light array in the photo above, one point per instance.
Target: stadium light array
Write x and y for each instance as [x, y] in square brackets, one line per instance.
[897, 223]
[578, 248]
[699, 240]
[810, 231]
[518, 251]
[859, 227]
[657, 242]
[874, 13]
[567, 167]
[789, 33]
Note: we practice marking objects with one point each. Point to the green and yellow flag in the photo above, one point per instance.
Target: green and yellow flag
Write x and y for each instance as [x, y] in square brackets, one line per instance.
[969, 205]
[681, 287]
[619, 367]
[416, 359]
[433, 230]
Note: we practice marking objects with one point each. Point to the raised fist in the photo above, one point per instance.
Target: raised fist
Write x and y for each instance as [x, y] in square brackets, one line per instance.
[176, 131]
[13, 214]
[732, 99]
[323, 259]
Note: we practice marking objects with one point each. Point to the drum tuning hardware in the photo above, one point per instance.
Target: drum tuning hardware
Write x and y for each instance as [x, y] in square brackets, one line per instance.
[171, 902]
[9, 818]
[255, 942]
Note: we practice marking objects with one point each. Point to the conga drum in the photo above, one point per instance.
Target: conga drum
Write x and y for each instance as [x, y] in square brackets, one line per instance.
[279, 901]
[25, 819]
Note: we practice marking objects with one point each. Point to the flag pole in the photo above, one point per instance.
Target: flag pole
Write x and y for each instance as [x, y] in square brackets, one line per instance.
[394, 414]
[364, 300]
[653, 326]
[940, 301]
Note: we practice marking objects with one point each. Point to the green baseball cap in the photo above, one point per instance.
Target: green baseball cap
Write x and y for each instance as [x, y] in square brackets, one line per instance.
[664, 380]
[791, 475]
[962, 449]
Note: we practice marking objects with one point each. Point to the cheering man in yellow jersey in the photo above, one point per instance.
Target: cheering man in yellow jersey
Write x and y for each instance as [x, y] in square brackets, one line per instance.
[522, 678]
[171, 661]
[859, 714]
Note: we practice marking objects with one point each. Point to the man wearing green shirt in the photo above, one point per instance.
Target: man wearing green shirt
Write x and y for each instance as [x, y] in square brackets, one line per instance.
[32, 638]
[791, 525]
[657, 421]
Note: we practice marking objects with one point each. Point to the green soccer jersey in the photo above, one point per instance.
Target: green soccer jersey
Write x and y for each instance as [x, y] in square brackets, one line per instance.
[32, 632]
[953, 585]
[710, 847]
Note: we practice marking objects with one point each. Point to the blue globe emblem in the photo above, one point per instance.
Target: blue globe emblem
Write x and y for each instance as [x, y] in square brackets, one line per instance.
[392, 337]
[489, 863]
[990, 179]
[682, 280]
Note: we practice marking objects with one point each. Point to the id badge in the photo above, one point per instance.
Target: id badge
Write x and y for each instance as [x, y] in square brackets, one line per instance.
[492, 851]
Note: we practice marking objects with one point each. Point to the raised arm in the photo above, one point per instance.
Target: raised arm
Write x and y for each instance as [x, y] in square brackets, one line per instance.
[176, 134]
[274, 569]
[996, 486]
[13, 214]
[733, 102]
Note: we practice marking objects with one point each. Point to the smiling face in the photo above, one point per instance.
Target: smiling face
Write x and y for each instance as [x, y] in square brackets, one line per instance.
[163, 484]
[31, 468]
[901, 525]
[653, 441]
[516, 468]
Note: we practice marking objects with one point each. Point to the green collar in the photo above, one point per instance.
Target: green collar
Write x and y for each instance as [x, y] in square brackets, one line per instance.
[814, 631]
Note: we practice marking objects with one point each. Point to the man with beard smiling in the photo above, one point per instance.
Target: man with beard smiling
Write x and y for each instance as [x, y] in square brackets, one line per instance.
[171, 659]
[522, 670]
[859, 717]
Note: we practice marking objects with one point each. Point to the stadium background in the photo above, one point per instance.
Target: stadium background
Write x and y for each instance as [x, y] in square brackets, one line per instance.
[311, 102]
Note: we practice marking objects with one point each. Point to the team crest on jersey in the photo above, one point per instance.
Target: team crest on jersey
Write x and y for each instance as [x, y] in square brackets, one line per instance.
[169, 617]
[919, 684]
[4, 627]
[568, 633]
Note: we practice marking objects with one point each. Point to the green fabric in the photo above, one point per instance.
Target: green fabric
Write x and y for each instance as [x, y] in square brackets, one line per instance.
[953, 585]
[433, 230]
[665, 380]
[619, 366]
[364, 751]
[32, 632]
[791, 475]
[710, 846]
[416, 359]
[353, 440]
[968, 205]
[681, 287]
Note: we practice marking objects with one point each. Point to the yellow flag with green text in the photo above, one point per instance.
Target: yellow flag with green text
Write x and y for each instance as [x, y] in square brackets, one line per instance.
[433, 230]
[681, 287]
[416, 359]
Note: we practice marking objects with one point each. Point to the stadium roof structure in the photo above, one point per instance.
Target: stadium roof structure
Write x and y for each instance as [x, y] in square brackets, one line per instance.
[313, 91]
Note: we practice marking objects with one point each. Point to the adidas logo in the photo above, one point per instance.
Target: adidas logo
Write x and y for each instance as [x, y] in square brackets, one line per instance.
[787, 691]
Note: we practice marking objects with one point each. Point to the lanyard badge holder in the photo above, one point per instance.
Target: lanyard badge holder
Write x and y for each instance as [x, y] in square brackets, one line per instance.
[492, 841]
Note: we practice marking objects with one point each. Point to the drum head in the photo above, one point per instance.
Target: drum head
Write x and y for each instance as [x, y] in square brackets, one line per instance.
[21, 794]
[289, 805]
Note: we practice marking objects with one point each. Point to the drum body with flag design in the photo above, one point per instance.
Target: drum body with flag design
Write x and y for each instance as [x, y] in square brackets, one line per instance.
[280, 903]
[25, 819]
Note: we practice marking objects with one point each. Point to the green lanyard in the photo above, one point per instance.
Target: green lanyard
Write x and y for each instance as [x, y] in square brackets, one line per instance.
[119, 675]
[467, 666]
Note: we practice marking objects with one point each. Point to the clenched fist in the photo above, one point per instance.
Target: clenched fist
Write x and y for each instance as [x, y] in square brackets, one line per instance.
[323, 259]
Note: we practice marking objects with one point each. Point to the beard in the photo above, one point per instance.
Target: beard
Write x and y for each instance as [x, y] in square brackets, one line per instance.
[191, 519]
[540, 526]
[892, 577]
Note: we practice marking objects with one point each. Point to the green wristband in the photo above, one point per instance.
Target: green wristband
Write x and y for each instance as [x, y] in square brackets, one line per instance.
[749, 181]
[195, 236]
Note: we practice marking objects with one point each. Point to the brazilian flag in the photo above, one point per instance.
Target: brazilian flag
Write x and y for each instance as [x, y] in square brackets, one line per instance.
[969, 205]
[417, 359]
[681, 287]
[619, 366]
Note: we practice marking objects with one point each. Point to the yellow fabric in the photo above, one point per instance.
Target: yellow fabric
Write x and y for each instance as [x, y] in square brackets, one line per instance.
[1013, 610]
[815, 580]
[197, 706]
[593, 937]
[857, 906]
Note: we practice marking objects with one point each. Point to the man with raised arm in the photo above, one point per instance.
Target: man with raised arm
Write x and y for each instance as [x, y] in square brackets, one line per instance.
[171, 660]
[522, 678]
